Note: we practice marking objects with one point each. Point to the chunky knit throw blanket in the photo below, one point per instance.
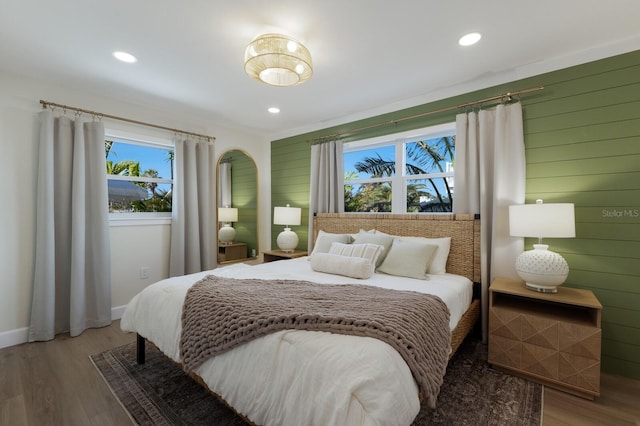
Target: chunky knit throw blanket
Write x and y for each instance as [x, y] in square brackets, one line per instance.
[220, 313]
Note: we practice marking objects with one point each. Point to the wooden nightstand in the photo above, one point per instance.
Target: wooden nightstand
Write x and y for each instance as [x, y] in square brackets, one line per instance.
[232, 252]
[273, 255]
[554, 339]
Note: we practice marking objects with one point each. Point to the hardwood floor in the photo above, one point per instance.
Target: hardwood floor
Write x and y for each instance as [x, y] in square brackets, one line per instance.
[618, 404]
[55, 383]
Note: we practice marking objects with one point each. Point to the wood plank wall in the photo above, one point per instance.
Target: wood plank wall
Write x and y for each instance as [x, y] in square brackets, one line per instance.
[290, 180]
[244, 186]
[582, 140]
[583, 146]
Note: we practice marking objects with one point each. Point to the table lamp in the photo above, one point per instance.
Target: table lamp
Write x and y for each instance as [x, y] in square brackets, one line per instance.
[226, 215]
[287, 240]
[542, 270]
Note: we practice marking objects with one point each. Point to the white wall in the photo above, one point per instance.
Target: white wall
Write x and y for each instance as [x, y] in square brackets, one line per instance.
[146, 246]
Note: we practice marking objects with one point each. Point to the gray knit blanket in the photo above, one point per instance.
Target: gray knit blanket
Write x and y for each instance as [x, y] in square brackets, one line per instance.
[221, 313]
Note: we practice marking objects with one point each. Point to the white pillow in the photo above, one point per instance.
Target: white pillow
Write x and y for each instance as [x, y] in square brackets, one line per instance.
[324, 240]
[354, 267]
[408, 259]
[371, 252]
[370, 231]
[383, 240]
[439, 261]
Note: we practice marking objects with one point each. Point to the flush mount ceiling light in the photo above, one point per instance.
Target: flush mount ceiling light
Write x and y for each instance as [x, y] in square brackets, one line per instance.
[274, 110]
[277, 60]
[125, 57]
[469, 39]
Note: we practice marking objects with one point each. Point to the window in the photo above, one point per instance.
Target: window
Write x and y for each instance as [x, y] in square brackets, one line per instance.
[410, 172]
[139, 176]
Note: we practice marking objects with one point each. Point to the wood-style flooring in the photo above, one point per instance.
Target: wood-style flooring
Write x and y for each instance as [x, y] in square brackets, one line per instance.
[55, 383]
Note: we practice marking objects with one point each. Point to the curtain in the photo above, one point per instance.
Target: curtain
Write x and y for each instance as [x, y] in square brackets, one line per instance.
[326, 192]
[225, 184]
[72, 272]
[193, 219]
[489, 176]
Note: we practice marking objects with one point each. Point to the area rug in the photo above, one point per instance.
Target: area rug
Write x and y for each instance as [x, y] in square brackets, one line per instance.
[160, 393]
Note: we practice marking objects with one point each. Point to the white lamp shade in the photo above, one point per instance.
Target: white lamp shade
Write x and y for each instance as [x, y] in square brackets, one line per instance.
[542, 269]
[554, 220]
[286, 215]
[227, 214]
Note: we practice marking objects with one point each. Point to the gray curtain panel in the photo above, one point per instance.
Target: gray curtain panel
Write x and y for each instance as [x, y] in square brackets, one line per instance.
[327, 175]
[489, 176]
[224, 187]
[72, 272]
[193, 221]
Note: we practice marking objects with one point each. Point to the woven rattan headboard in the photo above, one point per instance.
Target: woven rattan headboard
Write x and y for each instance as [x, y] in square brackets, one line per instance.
[464, 230]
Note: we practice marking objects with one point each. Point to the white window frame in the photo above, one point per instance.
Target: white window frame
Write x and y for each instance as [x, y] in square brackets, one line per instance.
[400, 178]
[139, 218]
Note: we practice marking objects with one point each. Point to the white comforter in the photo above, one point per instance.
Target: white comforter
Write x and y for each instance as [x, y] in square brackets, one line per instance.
[298, 377]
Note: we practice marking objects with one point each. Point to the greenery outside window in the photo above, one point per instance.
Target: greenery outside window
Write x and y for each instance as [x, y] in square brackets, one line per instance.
[411, 172]
[139, 177]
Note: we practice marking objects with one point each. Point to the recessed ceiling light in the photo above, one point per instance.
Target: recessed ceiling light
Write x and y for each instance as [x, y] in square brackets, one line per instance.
[469, 39]
[274, 110]
[125, 57]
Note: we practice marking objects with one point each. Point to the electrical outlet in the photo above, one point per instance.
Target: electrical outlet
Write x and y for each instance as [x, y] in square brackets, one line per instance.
[144, 273]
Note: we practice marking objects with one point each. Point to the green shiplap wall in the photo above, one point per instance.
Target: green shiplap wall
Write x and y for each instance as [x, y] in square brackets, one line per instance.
[582, 140]
[244, 196]
[583, 146]
[290, 162]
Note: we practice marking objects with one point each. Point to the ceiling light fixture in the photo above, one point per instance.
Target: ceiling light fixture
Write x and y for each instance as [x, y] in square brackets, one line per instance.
[469, 39]
[277, 60]
[125, 57]
[273, 110]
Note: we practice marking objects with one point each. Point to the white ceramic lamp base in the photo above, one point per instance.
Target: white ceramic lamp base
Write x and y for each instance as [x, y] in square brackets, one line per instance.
[287, 240]
[226, 234]
[541, 269]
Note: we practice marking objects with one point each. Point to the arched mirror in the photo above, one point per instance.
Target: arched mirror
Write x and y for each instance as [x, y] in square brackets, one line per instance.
[237, 195]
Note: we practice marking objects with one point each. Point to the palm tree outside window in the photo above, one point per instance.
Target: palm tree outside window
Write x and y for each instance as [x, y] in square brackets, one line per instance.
[372, 183]
[139, 176]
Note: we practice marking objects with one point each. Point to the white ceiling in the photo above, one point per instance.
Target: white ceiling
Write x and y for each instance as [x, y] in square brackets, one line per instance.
[370, 56]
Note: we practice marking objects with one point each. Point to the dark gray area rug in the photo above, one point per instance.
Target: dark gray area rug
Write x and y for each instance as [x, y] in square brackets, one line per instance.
[159, 392]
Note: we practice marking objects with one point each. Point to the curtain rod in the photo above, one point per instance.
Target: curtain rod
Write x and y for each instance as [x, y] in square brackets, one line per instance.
[506, 96]
[128, 120]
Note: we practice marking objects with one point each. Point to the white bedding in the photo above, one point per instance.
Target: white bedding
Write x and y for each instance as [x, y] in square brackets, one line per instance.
[296, 377]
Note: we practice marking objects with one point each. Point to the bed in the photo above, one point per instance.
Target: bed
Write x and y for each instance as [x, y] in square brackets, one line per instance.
[316, 377]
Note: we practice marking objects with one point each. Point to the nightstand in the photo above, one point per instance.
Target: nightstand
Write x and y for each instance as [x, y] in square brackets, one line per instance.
[550, 338]
[232, 252]
[273, 255]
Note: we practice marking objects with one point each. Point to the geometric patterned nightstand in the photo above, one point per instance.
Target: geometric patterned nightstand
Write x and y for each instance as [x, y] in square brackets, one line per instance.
[552, 338]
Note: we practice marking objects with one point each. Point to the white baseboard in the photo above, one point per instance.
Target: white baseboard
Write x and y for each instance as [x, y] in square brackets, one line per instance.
[14, 337]
[21, 335]
[117, 311]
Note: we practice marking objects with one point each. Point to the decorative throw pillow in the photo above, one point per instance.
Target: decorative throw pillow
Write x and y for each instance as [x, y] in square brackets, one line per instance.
[408, 259]
[383, 240]
[370, 231]
[354, 267]
[324, 240]
[371, 252]
[439, 261]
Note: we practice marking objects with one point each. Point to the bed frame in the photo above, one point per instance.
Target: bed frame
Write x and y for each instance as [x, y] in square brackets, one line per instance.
[464, 255]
